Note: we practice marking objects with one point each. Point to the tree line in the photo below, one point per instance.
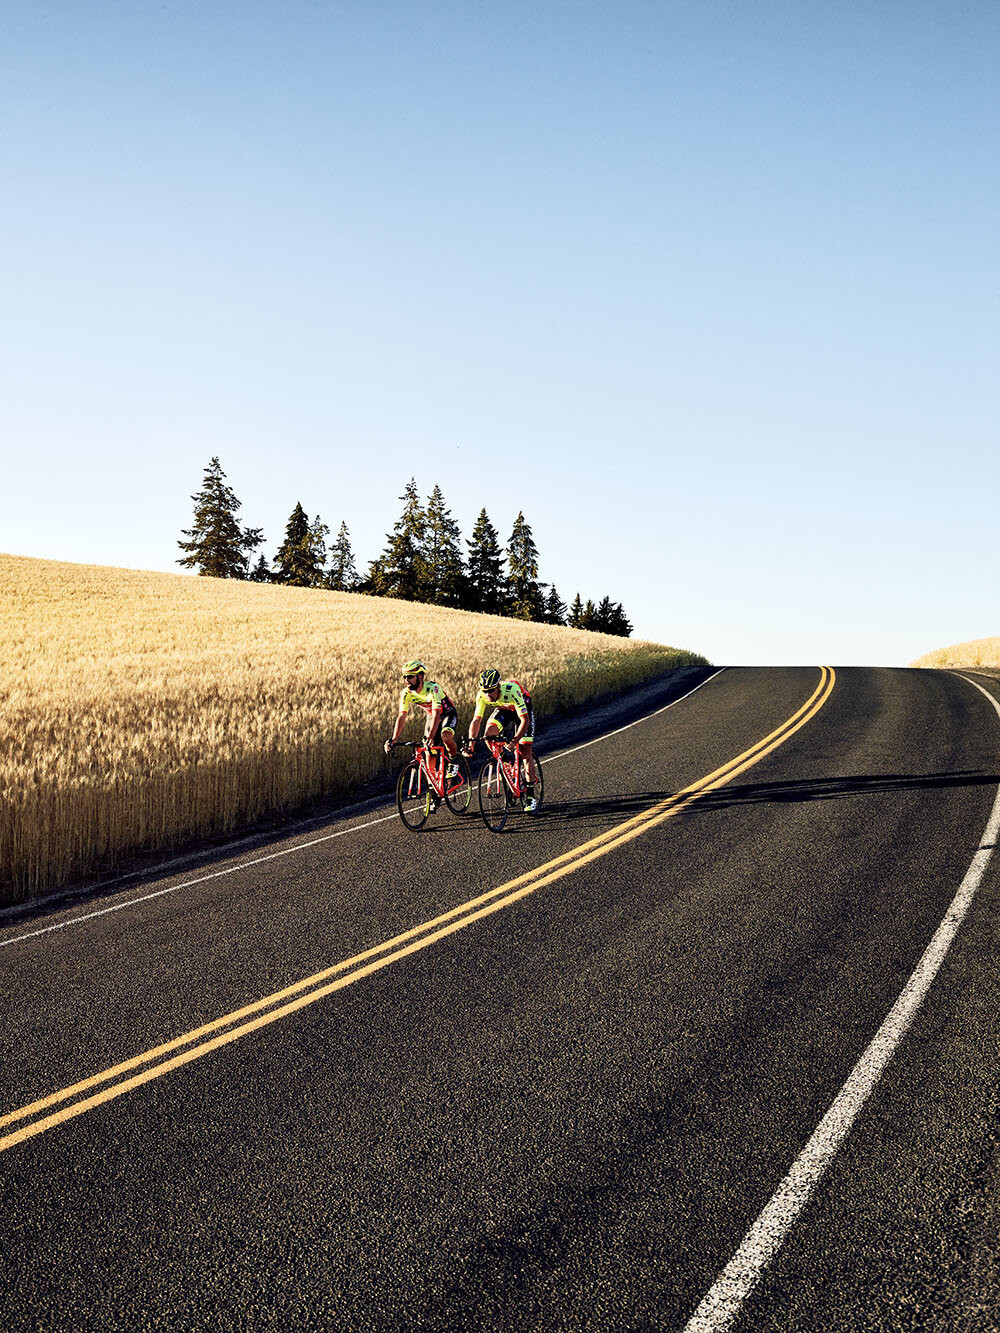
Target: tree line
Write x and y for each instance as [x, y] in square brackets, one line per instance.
[422, 560]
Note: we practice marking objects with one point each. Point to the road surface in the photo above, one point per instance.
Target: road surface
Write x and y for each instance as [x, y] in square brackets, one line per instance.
[551, 1080]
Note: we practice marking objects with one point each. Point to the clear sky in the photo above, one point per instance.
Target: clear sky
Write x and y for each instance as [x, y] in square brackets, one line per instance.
[709, 289]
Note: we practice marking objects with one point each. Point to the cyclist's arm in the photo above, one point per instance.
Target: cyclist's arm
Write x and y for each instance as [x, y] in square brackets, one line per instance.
[397, 730]
[433, 719]
[477, 719]
[404, 713]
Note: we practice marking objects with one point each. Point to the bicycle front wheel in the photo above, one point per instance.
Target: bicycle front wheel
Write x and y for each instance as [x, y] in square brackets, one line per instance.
[539, 784]
[458, 791]
[493, 796]
[413, 796]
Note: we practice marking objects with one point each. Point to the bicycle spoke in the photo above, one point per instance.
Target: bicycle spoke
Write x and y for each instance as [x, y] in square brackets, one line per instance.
[493, 796]
[458, 790]
[413, 796]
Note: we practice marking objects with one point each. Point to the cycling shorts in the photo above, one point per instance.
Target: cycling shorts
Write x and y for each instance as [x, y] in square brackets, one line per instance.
[507, 719]
[449, 719]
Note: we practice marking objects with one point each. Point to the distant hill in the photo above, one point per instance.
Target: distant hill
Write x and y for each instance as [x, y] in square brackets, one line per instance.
[983, 653]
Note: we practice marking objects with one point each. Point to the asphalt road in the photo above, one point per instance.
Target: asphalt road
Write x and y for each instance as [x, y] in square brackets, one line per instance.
[561, 1094]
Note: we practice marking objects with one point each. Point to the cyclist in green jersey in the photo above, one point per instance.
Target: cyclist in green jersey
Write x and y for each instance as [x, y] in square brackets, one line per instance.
[430, 698]
[511, 704]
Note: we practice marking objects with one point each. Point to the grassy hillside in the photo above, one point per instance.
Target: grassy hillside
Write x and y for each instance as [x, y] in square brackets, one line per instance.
[141, 710]
[983, 653]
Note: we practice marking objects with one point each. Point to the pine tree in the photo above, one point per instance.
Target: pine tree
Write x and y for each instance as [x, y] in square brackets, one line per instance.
[588, 615]
[343, 576]
[555, 608]
[602, 616]
[576, 613]
[318, 534]
[401, 570]
[302, 555]
[218, 547]
[375, 582]
[261, 572]
[486, 585]
[442, 554]
[526, 601]
[619, 622]
[610, 618]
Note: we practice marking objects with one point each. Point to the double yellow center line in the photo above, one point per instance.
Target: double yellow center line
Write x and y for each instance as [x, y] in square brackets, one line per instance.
[122, 1078]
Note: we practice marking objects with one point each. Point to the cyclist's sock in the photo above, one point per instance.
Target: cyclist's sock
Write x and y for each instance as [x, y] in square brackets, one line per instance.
[529, 789]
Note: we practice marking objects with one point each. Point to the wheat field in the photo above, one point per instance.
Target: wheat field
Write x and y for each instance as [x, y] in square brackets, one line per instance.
[976, 653]
[140, 710]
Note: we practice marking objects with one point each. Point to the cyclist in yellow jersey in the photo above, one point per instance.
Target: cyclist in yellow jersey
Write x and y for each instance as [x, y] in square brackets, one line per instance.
[430, 698]
[509, 701]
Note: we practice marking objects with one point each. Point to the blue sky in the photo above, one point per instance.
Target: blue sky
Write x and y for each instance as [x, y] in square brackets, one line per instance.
[709, 290]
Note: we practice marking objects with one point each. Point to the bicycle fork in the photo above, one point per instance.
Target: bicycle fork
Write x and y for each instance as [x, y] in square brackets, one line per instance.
[416, 788]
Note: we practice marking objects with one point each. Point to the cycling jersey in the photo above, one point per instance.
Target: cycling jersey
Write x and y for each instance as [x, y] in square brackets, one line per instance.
[511, 696]
[430, 697]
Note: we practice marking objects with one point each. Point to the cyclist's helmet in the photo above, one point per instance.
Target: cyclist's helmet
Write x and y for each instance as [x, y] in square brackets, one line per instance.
[414, 666]
[489, 679]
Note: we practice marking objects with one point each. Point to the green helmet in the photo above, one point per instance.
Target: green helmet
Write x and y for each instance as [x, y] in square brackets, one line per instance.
[413, 666]
[489, 679]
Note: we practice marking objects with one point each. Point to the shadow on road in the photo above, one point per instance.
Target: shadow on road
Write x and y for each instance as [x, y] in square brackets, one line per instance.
[598, 811]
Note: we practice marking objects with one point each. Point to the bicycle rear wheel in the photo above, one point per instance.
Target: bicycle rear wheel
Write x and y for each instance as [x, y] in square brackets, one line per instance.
[494, 798]
[458, 791]
[413, 796]
[539, 785]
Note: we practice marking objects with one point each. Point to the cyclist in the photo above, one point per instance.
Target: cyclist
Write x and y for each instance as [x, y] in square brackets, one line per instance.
[511, 705]
[429, 696]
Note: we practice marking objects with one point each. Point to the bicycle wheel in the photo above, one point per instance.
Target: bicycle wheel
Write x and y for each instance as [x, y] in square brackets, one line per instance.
[458, 791]
[493, 796]
[539, 785]
[413, 796]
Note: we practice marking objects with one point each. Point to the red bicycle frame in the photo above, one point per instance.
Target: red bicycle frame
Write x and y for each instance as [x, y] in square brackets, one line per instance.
[511, 764]
[433, 765]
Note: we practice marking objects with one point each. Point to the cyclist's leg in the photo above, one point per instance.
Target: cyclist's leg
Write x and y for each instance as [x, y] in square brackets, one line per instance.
[458, 767]
[528, 745]
[436, 738]
[494, 725]
[449, 722]
[532, 788]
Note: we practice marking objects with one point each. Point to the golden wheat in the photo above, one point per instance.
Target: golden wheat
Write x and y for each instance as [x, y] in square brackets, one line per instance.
[975, 653]
[138, 710]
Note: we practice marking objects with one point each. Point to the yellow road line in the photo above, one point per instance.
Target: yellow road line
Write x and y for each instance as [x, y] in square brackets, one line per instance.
[270, 1009]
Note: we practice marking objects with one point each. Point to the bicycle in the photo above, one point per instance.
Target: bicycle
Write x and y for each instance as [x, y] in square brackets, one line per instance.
[503, 780]
[423, 783]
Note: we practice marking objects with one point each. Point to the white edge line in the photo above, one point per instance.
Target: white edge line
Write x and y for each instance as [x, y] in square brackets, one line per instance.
[301, 846]
[726, 1297]
[551, 758]
[189, 883]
